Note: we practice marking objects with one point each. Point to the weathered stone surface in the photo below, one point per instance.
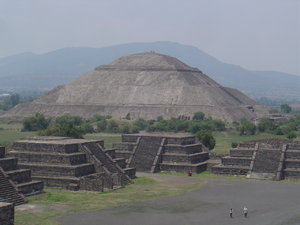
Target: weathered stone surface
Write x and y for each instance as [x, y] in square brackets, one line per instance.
[7, 213]
[144, 85]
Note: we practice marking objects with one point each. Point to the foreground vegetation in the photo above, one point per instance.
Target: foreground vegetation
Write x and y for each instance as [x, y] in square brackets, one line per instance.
[58, 201]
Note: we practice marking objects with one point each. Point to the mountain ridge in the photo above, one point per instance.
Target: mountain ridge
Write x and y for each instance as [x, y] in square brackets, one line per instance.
[58, 67]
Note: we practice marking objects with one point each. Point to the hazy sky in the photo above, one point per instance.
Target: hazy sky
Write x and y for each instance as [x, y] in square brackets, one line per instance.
[255, 34]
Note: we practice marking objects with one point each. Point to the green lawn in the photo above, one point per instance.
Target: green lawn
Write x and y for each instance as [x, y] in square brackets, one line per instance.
[108, 139]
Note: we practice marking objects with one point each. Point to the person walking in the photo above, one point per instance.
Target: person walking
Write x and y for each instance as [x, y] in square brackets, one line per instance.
[230, 212]
[245, 210]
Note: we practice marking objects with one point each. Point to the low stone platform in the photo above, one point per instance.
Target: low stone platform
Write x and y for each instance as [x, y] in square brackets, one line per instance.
[7, 213]
[74, 164]
[265, 159]
[15, 182]
[162, 152]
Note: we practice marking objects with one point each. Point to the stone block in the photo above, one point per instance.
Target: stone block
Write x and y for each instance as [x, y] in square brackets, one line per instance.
[7, 213]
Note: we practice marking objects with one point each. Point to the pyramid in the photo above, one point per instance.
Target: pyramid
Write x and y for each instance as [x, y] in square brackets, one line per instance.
[145, 85]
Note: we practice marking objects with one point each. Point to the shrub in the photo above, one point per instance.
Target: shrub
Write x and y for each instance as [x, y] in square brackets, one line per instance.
[207, 139]
[35, 123]
[198, 116]
[291, 135]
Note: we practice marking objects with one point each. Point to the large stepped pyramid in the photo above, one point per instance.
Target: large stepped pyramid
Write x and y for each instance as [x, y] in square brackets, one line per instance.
[265, 159]
[162, 152]
[74, 164]
[145, 85]
[15, 183]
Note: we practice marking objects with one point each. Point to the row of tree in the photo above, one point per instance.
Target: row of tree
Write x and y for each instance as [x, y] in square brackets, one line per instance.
[289, 128]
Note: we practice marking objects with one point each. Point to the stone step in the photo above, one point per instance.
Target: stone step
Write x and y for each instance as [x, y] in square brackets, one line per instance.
[2, 152]
[237, 152]
[62, 181]
[291, 173]
[292, 154]
[111, 152]
[183, 149]
[20, 175]
[32, 146]
[50, 158]
[59, 170]
[124, 146]
[130, 172]
[183, 167]
[292, 163]
[31, 188]
[9, 163]
[231, 170]
[185, 158]
[236, 161]
[121, 162]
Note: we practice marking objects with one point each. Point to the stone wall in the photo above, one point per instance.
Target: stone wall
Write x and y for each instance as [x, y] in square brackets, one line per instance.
[7, 213]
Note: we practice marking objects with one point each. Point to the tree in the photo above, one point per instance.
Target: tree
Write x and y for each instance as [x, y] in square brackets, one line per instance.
[101, 125]
[246, 127]
[113, 126]
[35, 123]
[65, 126]
[198, 116]
[266, 124]
[207, 139]
[285, 108]
[291, 135]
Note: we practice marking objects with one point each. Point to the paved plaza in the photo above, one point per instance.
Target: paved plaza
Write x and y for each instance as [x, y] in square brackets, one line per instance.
[269, 203]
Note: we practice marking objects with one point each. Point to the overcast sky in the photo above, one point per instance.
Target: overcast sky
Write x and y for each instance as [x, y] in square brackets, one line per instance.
[255, 34]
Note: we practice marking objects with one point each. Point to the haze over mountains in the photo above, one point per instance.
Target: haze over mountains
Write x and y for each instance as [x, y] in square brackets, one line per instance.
[45, 71]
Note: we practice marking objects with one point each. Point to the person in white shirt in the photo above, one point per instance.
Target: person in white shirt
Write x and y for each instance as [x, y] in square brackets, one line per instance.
[245, 212]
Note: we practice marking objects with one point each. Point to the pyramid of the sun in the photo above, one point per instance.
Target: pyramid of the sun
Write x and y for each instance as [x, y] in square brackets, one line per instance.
[145, 85]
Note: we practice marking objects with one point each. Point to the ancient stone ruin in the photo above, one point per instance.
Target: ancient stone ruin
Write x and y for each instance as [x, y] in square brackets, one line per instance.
[145, 85]
[265, 159]
[16, 182]
[162, 152]
[74, 164]
[7, 213]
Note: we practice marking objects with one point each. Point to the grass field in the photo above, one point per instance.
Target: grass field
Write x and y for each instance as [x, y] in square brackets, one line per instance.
[43, 209]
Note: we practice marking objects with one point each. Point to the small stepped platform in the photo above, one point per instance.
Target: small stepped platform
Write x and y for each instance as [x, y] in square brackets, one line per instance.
[162, 152]
[74, 164]
[15, 179]
[272, 159]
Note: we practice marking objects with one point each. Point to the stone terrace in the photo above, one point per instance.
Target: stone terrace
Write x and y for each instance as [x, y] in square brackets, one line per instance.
[74, 164]
[16, 182]
[266, 159]
[162, 152]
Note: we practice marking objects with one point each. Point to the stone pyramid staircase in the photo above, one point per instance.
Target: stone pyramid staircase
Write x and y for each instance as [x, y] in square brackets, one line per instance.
[292, 161]
[162, 152]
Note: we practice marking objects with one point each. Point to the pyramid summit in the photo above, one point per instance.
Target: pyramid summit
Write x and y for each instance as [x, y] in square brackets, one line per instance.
[146, 85]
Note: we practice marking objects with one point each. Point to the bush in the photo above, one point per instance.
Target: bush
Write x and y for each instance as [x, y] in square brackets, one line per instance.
[101, 125]
[246, 127]
[64, 126]
[207, 139]
[35, 123]
[234, 144]
[88, 128]
[112, 126]
[198, 116]
[291, 135]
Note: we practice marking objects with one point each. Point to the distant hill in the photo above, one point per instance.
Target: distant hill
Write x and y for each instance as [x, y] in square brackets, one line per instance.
[45, 71]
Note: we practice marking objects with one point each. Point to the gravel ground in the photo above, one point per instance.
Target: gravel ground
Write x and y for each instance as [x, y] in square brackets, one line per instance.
[269, 203]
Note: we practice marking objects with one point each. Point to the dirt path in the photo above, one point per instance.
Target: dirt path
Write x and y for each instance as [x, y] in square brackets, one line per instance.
[269, 203]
